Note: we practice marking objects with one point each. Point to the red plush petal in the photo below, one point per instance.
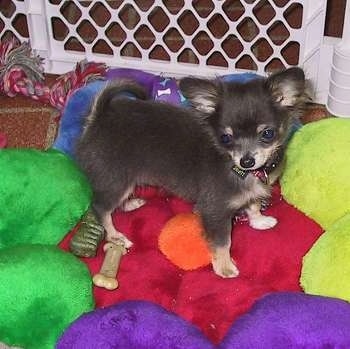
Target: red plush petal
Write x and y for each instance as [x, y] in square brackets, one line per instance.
[268, 261]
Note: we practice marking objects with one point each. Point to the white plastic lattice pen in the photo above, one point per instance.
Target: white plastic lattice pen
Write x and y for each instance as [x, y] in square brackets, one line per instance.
[175, 37]
[338, 102]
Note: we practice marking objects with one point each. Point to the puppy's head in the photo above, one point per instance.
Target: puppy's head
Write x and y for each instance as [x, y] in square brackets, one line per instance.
[251, 120]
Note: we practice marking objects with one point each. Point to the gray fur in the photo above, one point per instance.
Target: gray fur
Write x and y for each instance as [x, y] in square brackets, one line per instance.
[137, 142]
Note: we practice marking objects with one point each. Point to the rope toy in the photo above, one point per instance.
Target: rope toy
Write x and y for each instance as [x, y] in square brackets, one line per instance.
[66, 84]
[22, 72]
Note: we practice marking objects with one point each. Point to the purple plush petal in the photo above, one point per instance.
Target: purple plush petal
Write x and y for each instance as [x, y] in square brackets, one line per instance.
[132, 325]
[288, 320]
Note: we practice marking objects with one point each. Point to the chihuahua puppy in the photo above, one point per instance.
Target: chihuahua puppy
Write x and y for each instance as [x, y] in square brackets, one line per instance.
[195, 153]
[252, 121]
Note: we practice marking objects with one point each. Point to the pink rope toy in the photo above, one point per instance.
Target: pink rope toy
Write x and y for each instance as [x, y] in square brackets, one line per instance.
[21, 72]
[66, 84]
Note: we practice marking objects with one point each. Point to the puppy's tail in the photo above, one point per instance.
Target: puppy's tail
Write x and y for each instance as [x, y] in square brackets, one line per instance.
[114, 91]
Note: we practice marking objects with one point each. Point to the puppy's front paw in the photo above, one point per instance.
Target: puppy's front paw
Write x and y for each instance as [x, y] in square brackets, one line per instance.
[263, 222]
[119, 237]
[126, 242]
[225, 269]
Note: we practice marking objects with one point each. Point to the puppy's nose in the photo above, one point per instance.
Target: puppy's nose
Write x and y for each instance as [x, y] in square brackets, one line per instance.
[247, 161]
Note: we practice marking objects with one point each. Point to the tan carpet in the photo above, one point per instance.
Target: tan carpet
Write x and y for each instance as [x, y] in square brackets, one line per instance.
[27, 123]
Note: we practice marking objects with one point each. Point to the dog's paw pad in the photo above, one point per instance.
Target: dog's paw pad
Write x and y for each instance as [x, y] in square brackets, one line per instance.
[263, 222]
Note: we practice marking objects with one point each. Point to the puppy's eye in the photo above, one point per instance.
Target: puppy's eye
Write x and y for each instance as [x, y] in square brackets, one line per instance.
[226, 138]
[268, 135]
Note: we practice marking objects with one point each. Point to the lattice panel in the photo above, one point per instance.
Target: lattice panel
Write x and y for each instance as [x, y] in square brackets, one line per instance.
[179, 35]
[13, 20]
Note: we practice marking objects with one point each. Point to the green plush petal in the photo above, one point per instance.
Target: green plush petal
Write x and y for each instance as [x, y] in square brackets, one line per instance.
[316, 179]
[42, 290]
[326, 267]
[43, 195]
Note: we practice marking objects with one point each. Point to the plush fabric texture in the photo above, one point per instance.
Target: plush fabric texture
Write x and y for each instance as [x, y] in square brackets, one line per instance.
[5, 346]
[181, 240]
[268, 261]
[42, 196]
[292, 321]
[326, 267]
[132, 325]
[42, 290]
[281, 320]
[316, 178]
[162, 88]
[71, 122]
[158, 88]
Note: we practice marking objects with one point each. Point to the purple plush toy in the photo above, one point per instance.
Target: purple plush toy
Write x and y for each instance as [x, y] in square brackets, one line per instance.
[284, 320]
[159, 88]
[132, 325]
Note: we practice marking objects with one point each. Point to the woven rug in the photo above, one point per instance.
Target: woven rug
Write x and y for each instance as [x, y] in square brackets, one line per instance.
[27, 123]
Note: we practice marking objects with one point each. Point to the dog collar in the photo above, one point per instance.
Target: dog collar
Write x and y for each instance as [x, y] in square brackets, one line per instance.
[259, 173]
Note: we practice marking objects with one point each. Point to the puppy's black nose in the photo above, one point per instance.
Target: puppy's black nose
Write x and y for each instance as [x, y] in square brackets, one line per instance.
[247, 161]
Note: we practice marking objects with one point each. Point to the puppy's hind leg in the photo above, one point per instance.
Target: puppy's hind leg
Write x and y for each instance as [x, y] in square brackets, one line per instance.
[112, 234]
[104, 205]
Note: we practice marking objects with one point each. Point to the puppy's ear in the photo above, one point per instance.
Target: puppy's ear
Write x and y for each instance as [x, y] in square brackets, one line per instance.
[201, 93]
[288, 87]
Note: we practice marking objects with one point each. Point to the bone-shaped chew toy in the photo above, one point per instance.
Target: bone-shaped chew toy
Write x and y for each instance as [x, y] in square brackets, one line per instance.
[107, 277]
